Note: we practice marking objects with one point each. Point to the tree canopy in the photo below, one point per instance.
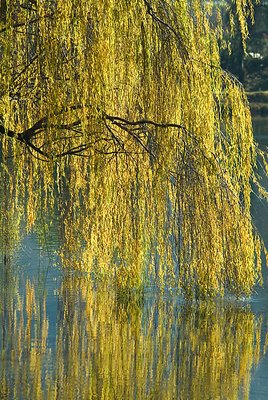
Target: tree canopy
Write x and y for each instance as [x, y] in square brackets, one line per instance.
[117, 115]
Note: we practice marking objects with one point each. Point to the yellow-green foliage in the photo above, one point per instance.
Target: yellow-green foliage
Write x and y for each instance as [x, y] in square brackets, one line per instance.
[118, 114]
[108, 350]
[10, 214]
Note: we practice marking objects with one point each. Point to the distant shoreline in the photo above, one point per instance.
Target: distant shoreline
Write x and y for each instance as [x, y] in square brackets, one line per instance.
[258, 102]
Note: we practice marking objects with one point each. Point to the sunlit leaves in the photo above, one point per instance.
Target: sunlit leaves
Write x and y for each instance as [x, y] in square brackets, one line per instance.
[118, 115]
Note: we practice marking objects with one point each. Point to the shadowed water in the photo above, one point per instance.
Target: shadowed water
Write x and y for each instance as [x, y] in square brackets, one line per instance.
[60, 338]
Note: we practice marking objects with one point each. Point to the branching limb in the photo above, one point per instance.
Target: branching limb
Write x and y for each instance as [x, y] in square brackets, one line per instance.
[20, 24]
[181, 46]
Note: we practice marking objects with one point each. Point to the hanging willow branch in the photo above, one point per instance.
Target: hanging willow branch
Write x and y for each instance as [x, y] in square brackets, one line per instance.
[149, 143]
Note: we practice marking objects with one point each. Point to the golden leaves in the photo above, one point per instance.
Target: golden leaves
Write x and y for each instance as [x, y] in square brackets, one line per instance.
[148, 142]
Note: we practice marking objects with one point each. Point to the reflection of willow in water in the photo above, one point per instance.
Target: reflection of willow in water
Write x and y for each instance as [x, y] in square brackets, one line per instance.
[23, 339]
[109, 350]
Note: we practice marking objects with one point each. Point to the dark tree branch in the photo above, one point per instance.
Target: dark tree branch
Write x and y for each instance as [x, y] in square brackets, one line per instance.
[130, 127]
[19, 24]
[28, 134]
[181, 47]
[116, 120]
[8, 132]
[25, 68]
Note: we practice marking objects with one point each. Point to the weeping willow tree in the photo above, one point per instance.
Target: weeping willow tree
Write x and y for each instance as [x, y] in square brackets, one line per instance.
[117, 115]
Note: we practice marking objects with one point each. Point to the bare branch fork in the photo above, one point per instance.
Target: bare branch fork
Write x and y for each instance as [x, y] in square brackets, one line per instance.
[130, 127]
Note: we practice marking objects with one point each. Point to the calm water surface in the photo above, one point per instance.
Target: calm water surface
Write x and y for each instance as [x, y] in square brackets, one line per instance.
[62, 339]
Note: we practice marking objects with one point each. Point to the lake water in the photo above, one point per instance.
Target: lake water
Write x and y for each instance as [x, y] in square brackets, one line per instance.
[62, 339]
